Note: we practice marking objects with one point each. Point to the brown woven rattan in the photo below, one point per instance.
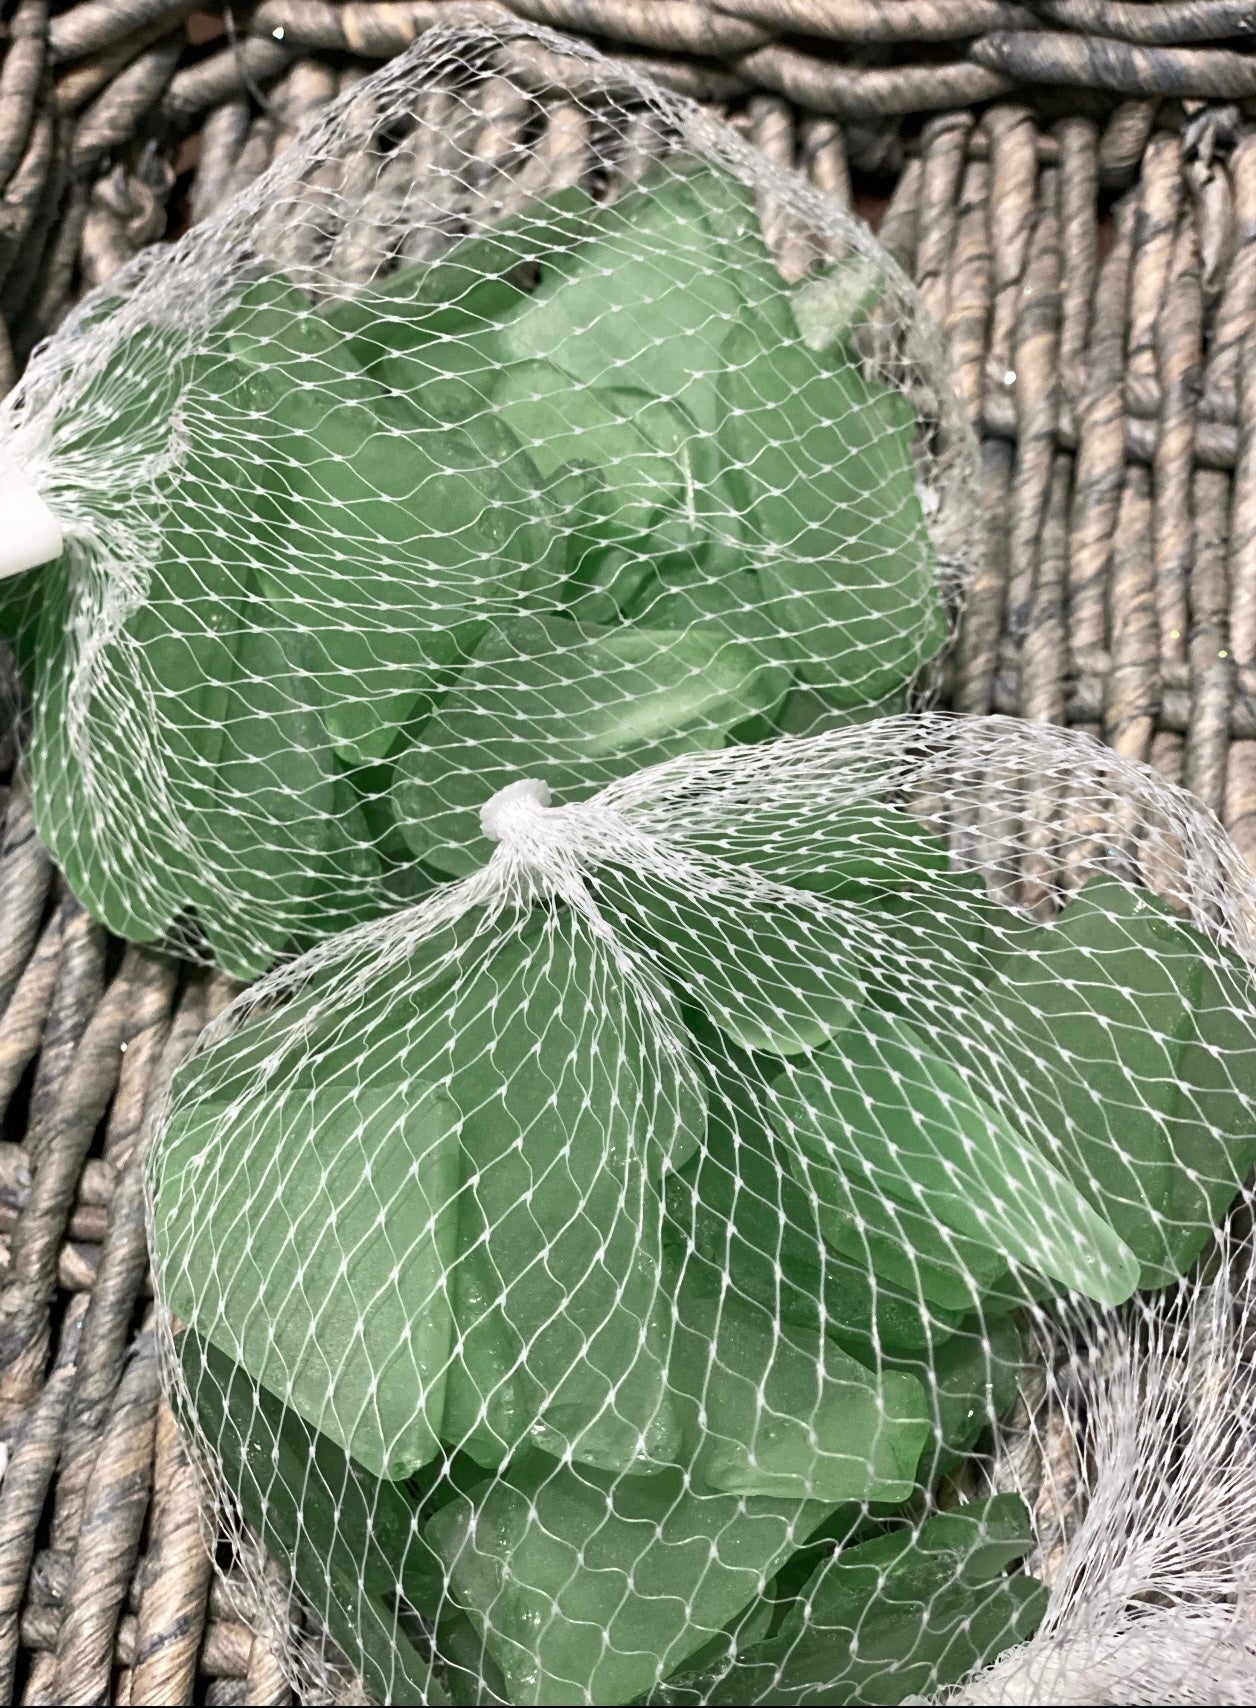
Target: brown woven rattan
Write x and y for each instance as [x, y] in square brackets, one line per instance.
[1072, 183]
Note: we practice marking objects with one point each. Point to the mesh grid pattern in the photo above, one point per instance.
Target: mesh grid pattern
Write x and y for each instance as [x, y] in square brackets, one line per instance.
[775, 1232]
[520, 415]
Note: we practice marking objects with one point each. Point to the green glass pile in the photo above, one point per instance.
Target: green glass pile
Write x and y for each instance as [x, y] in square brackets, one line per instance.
[584, 1296]
[577, 494]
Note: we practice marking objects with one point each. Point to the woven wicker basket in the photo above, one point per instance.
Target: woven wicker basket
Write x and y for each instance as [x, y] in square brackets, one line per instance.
[1072, 183]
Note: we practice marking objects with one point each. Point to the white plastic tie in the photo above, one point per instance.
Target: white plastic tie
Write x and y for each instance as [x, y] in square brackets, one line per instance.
[503, 813]
[29, 532]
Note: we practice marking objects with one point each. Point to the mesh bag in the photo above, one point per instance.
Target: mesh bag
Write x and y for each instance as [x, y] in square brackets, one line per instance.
[774, 1233]
[520, 415]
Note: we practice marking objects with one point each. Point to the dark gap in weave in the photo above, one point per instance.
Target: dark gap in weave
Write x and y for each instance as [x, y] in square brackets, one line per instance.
[531, 130]
[114, 950]
[179, 206]
[606, 140]
[13, 1123]
[204, 26]
[202, 43]
[875, 56]
[24, 1657]
[389, 137]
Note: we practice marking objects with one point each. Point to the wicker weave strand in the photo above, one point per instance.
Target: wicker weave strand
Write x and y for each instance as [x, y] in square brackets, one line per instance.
[1160, 23]
[827, 87]
[1103, 62]
[866, 21]
[102, 24]
[24, 1491]
[115, 1505]
[375, 30]
[672, 26]
[20, 81]
[110, 120]
[248, 64]
[25, 874]
[176, 1578]
[1149, 22]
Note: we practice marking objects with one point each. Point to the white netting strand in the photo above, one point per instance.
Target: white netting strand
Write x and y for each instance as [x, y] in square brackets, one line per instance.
[777, 1231]
[521, 417]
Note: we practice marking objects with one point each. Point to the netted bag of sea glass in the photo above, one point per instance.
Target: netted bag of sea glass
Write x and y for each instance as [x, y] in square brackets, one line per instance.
[520, 415]
[639, 1271]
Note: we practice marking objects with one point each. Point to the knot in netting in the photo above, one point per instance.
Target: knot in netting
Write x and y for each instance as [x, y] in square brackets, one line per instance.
[541, 848]
[514, 810]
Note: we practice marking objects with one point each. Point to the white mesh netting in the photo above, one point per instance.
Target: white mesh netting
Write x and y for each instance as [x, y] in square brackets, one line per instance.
[775, 1232]
[520, 416]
